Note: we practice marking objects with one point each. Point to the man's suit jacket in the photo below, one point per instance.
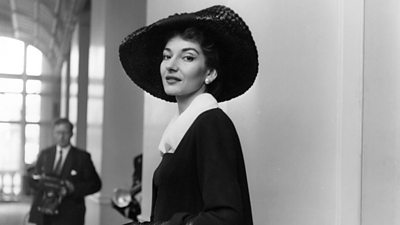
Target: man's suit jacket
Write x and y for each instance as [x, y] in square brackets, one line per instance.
[78, 168]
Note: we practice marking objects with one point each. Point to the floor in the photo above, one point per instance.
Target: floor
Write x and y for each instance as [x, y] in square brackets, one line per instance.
[14, 212]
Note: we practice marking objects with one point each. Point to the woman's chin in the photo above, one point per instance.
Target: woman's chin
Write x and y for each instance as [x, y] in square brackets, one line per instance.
[171, 92]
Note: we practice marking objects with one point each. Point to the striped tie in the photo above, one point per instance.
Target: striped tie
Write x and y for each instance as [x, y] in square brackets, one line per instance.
[57, 168]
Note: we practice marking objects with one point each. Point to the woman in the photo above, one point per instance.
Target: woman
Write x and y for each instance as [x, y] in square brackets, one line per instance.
[204, 58]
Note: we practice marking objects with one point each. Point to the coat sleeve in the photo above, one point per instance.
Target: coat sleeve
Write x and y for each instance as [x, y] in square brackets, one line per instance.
[90, 181]
[38, 169]
[217, 148]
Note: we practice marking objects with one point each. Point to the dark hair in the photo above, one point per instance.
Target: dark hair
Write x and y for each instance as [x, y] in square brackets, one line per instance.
[64, 121]
[210, 49]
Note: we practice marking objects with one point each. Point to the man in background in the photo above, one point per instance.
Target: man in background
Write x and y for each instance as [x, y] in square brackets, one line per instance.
[64, 176]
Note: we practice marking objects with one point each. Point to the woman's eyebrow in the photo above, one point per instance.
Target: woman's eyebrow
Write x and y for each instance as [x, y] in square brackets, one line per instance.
[167, 49]
[183, 50]
[190, 49]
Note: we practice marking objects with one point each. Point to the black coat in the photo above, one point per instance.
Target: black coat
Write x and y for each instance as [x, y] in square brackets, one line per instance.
[78, 168]
[204, 182]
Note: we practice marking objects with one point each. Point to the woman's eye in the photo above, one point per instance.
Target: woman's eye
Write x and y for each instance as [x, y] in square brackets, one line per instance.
[165, 56]
[188, 58]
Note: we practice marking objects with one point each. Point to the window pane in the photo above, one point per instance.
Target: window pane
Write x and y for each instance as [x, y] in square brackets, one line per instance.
[11, 85]
[73, 89]
[17, 182]
[7, 180]
[33, 108]
[11, 106]
[32, 132]
[10, 140]
[73, 109]
[33, 86]
[11, 183]
[63, 97]
[34, 61]
[11, 56]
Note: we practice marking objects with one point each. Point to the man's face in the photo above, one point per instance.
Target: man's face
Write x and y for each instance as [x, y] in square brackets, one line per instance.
[62, 134]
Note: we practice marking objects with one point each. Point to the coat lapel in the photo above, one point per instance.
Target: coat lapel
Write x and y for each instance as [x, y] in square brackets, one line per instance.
[68, 163]
[50, 163]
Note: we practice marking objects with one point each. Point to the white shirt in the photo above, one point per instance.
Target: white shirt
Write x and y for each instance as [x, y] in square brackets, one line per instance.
[65, 151]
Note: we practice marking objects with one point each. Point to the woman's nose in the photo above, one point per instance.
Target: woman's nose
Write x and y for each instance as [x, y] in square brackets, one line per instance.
[172, 64]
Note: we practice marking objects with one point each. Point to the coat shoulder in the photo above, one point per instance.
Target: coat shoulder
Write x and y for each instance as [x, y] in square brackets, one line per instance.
[80, 151]
[215, 118]
[214, 115]
[48, 150]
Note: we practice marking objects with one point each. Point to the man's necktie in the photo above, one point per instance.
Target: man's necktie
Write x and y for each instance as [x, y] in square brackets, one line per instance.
[57, 168]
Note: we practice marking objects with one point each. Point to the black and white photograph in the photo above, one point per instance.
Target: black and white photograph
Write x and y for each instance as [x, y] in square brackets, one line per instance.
[199, 112]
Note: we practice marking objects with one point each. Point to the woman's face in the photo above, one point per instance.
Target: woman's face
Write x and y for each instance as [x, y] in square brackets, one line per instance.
[183, 68]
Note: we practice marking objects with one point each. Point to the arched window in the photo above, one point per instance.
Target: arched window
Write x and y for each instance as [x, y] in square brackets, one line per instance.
[26, 96]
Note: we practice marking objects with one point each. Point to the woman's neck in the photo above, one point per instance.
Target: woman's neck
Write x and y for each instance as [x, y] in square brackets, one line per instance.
[185, 101]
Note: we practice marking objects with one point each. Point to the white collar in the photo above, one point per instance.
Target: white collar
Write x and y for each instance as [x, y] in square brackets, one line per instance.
[64, 149]
[179, 124]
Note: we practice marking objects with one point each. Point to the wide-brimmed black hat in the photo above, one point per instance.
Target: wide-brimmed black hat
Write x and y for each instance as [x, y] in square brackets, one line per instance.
[141, 52]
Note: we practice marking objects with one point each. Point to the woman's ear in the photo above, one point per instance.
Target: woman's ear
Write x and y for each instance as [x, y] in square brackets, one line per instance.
[211, 76]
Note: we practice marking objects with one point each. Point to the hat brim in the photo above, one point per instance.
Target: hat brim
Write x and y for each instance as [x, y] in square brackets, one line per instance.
[141, 54]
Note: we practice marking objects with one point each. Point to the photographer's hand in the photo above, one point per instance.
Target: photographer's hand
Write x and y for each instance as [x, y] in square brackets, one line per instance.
[70, 186]
[67, 188]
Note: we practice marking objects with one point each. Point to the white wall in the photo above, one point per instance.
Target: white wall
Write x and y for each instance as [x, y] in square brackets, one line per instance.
[381, 145]
[304, 120]
[300, 124]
